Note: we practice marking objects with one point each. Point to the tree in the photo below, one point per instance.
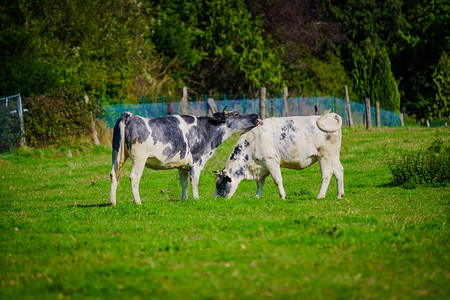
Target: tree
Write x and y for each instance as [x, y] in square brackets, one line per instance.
[373, 76]
[441, 79]
[215, 46]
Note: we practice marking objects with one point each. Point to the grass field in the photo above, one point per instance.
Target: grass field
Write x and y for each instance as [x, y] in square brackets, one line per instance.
[58, 240]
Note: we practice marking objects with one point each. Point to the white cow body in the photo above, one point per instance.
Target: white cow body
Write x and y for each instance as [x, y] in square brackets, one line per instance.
[290, 142]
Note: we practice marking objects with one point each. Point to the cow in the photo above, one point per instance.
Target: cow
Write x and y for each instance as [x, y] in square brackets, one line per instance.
[289, 142]
[178, 141]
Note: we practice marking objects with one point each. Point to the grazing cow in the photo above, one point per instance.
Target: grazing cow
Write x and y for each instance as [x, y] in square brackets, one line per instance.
[291, 142]
[182, 142]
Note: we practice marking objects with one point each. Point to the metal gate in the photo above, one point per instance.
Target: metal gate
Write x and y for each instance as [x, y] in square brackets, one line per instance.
[11, 123]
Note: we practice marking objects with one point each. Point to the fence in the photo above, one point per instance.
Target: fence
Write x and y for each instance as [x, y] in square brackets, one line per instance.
[275, 107]
[11, 122]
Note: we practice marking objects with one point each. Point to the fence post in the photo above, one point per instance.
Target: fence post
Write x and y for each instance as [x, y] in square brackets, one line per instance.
[94, 131]
[348, 109]
[377, 109]
[285, 102]
[212, 107]
[184, 101]
[368, 115]
[332, 101]
[164, 106]
[402, 122]
[262, 103]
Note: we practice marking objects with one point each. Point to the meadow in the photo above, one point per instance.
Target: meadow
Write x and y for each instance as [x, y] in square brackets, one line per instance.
[58, 239]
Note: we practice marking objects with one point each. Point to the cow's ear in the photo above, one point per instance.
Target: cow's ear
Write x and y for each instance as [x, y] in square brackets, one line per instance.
[218, 172]
[219, 116]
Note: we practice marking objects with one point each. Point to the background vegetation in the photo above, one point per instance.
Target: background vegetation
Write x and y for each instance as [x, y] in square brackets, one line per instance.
[380, 241]
[138, 48]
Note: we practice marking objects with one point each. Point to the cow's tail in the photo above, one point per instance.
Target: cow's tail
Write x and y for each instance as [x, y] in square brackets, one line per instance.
[119, 154]
[329, 122]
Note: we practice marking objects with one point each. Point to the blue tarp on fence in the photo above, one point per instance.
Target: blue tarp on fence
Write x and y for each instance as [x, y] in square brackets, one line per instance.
[298, 106]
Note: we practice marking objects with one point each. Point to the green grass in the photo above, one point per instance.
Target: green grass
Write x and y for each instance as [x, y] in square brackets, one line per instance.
[380, 241]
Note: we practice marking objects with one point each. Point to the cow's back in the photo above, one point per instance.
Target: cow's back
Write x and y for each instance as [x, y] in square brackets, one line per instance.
[295, 142]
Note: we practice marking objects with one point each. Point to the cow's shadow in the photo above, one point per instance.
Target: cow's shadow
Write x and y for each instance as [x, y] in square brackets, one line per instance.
[92, 205]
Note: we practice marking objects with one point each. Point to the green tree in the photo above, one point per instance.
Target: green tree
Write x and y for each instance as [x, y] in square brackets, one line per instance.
[215, 46]
[441, 79]
[373, 76]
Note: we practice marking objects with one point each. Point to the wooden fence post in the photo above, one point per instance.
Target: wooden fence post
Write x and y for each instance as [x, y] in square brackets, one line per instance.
[94, 131]
[212, 107]
[377, 109]
[285, 102]
[348, 109]
[402, 121]
[368, 115]
[262, 103]
[184, 101]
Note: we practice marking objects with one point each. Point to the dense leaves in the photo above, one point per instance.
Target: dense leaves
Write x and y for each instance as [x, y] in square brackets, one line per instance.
[112, 49]
[373, 77]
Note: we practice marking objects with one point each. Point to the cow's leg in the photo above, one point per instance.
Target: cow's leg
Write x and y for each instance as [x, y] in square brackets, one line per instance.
[260, 185]
[184, 181]
[195, 178]
[135, 177]
[338, 171]
[275, 171]
[326, 171]
[116, 174]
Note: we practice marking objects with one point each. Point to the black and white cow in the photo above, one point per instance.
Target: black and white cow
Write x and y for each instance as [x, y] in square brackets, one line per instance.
[182, 142]
[291, 142]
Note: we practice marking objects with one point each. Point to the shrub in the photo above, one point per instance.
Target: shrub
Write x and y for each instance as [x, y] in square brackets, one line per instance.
[55, 118]
[428, 167]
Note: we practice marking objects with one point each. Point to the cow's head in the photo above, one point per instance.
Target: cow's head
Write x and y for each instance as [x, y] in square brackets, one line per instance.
[225, 186]
[237, 122]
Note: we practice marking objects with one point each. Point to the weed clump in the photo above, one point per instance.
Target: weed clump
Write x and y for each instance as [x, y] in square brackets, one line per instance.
[430, 167]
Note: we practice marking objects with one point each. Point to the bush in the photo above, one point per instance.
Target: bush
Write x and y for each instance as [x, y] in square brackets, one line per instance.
[429, 167]
[56, 118]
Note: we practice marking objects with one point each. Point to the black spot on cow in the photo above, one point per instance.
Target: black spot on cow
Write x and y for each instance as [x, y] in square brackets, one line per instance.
[236, 151]
[188, 119]
[206, 136]
[167, 131]
[135, 131]
[288, 130]
[246, 158]
[327, 137]
[246, 143]
[239, 172]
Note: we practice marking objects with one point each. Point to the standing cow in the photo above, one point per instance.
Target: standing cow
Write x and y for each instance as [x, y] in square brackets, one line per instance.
[182, 142]
[291, 142]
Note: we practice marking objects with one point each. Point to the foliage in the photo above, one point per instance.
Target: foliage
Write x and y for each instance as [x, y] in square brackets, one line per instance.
[309, 41]
[430, 167]
[322, 75]
[215, 46]
[373, 77]
[55, 118]
[441, 79]
[58, 240]
[21, 70]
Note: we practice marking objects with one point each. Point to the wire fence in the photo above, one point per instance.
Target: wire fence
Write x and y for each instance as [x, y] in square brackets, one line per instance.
[297, 106]
[11, 122]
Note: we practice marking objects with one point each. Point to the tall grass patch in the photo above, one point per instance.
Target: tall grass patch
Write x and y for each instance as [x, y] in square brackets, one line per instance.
[427, 167]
